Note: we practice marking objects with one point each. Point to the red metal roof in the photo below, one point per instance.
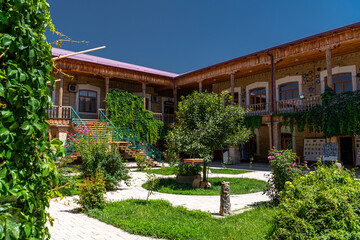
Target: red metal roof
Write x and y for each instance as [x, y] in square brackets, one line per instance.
[111, 63]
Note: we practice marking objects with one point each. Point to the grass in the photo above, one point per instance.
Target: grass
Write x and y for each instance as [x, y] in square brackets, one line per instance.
[237, 186]
[170, 171]
[159, 219]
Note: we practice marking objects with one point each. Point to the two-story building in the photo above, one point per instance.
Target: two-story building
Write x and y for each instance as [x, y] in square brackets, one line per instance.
[285, 78]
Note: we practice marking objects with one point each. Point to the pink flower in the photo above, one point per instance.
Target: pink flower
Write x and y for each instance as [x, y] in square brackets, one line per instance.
[77, 140]
[67, 131]
[278, 154]
[66, 146]
[83, 127]
[270, 157]
[293, 164]
[70, 134]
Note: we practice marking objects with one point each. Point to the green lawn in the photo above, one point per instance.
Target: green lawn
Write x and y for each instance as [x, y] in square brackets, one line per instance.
[237, 186]
[159, 219]
[170, 171]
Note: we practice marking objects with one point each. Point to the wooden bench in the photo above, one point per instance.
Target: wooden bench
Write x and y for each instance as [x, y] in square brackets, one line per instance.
[193, 160]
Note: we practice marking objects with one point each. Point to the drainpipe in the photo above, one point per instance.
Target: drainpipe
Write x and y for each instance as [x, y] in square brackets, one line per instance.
[272, 96]
[175, 98]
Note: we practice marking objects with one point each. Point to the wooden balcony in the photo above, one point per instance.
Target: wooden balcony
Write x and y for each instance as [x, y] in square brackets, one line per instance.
[298, 105]
[284, 106]
[166, 118]
[59, 115]
[258, 109]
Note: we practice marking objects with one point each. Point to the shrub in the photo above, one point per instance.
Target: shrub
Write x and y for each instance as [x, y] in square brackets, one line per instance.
[114, 170]
[92, 192]
[141, 162]
[283, 169]
[96, 153]
[187, 169]
[323, 205]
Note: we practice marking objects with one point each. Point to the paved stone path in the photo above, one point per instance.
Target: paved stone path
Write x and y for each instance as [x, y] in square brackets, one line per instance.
[70, 225]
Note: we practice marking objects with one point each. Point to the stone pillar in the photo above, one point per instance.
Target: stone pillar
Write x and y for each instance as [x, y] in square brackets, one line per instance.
[200, 86]
[234, 154]
[232, 85]
[277, 135]
[62, 133]
[329, 68]
[225, 205]
[61, 92]
[144, 93]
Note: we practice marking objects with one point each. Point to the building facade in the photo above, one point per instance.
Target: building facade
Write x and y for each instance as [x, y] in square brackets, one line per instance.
[285, 78]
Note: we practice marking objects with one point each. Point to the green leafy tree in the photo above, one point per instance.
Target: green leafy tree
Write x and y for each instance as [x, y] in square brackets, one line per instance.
[125, 109]
[207, 122]
[27, 169]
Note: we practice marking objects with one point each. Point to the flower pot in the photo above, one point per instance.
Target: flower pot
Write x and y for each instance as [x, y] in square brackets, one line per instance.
[186, 179]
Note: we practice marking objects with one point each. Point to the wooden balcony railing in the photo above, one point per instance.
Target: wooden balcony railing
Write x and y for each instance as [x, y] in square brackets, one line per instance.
[298, 105]
[166, 118]
[57, 112]
[258, 109]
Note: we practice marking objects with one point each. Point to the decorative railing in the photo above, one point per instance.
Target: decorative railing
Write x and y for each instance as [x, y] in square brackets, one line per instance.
[258, 109]
[76, 119]
[57, 112]
[166, 118]
[125, 134]
[298, 105]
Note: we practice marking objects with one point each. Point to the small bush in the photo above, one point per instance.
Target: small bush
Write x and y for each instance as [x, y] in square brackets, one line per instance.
[321, 205]
[92, 192]
[187, 169]
[283, 169]
[114, 170]
[141, 162]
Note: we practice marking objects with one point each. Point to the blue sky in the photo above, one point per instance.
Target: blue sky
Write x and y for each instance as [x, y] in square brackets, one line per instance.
[183, 35]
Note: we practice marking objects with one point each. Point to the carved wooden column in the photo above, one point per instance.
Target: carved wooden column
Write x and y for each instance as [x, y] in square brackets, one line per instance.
[144, 93]
[225, 205]
[200, 86]
[106, 88]
[61, 92]
[329, 68]
[175, 101]
[232, 78]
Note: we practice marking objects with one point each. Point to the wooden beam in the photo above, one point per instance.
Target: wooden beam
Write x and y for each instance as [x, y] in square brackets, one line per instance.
[200, 86]
[329, 68]
[77, 53]
[61, 93]
[232, 80]
[144, 93]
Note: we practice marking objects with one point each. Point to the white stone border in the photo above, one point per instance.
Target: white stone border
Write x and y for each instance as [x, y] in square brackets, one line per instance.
[256, 85]
[288, 79]
[90, 88]
[337, 70]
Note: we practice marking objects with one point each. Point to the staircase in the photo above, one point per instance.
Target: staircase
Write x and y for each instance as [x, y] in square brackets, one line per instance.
[128, 143]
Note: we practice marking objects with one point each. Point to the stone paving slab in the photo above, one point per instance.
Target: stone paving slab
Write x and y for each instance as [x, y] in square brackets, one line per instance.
[70, 225]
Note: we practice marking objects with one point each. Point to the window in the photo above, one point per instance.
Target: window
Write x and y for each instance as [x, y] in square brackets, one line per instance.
[286, 141]
[341, 82]
[87, 101]
[289, 91]
[258, 96]
[236, 97]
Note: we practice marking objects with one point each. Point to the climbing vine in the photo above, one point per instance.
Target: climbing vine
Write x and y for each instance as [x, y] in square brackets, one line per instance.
[125, 109]
[338, 115]
[27, 169]
[253, 122]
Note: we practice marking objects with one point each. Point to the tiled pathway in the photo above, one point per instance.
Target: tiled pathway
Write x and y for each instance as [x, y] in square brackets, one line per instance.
[69, 225]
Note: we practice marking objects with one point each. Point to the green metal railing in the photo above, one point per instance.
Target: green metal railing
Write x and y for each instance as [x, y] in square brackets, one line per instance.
[69, 149]
[124, 134]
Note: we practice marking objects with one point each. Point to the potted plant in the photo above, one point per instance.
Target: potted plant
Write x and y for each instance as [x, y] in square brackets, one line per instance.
[187, 173]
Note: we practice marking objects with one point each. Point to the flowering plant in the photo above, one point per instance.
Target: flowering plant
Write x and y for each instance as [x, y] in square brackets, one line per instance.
[283, 169]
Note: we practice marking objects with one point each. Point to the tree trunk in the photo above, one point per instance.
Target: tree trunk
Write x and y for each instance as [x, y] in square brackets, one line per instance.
[204, 172]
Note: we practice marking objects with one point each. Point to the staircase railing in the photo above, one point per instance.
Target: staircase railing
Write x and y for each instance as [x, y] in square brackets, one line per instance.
[124, 134]
[76, 119]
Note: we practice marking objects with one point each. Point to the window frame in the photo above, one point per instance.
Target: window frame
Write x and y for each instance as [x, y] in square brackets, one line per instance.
[84, 107]
[291, 90]
[340, 83]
